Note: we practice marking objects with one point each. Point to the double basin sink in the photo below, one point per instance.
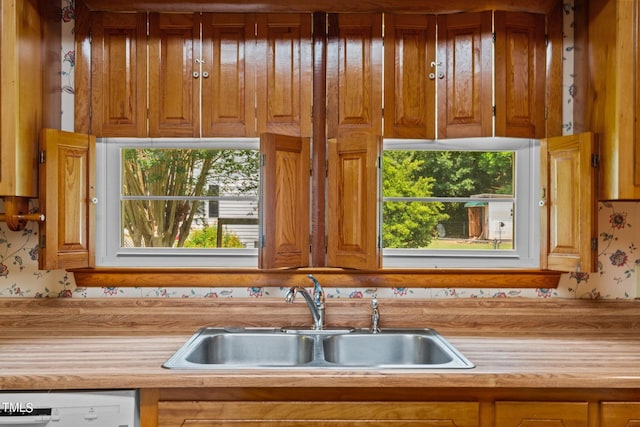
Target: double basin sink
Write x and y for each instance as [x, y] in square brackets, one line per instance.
[273, 348]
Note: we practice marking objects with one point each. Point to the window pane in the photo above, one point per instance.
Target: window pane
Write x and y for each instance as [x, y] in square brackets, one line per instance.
[447, 200]
[181, 197]
[439, 173]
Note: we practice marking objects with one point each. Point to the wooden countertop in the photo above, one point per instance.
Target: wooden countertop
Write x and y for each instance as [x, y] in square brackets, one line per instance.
[122, 343]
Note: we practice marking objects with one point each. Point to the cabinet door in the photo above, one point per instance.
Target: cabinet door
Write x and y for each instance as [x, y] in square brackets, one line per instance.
[321, 414]
[174, 75]
[119, 74]
[284, 74]
[409, 76]
[568, 202]
[353, 202]
[520, 74]
[464, 75]
[359, 74]
[620, 414]
[67, 187]
[541, 414]
[228, 75]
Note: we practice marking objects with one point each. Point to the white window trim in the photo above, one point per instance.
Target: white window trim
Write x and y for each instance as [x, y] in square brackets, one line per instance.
[109, 253]
[526, 253]
[527, 219]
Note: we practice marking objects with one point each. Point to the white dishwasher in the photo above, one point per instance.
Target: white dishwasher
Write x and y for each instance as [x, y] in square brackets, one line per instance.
[117, 408]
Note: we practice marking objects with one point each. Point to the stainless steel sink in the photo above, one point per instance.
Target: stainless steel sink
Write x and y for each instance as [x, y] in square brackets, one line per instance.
[389, 349]
[251, 348]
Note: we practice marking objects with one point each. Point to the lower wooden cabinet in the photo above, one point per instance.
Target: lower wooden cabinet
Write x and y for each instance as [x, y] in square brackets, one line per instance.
[620, 414]
[542, 414]
[321, 414]
[232, 407]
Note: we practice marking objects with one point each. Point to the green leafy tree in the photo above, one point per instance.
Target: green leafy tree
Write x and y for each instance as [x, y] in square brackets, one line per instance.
[174, 174]
[465, 173]
[408, 225]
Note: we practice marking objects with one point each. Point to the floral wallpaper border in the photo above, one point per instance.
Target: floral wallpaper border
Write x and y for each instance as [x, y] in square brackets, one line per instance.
[618, 274]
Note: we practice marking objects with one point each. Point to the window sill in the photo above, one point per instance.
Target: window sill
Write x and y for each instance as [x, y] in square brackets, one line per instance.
[330, 277]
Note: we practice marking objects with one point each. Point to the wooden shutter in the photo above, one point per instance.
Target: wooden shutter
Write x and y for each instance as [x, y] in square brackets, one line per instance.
[174, 89]
[520, 71]
[353, 217]
[284, 201]
[67, 187]
[464, 75]
[119, 75]
[409, 86]
[284, 73]
[569, 203]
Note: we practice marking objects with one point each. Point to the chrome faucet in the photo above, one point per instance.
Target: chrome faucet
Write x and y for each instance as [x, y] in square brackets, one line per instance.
[315, 301]
[375, 316]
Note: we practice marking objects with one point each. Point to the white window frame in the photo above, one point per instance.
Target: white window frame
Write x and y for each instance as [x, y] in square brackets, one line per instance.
[109, 252]
[526, 251]
[525, 254]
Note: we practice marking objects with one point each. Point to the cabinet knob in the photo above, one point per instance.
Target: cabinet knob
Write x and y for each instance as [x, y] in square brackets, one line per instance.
[94, 200]
[205, 74]
[196, 74]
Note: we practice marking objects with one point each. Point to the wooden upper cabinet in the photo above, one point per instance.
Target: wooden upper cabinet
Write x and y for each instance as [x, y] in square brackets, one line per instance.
[569, 204]
[353, 202]
[174, 86]
[21, 97]
[119, 74]
[67, 191]
[520, 74]
[285, 201]
[228, 75]
[409, 77]
[464, 74]
[284, 74]
[359, 73]
[611, 93]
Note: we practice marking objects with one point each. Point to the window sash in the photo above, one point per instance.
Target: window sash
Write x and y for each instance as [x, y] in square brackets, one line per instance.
[109, 251]
[526, 249]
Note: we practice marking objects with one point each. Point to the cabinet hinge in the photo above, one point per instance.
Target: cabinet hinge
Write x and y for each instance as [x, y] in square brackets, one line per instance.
[594, 243]
[493, 111]
[546, 40]
[42, 157]
[262, 241]
[546, 113]
[493, 37]
[90, 37]
[595, 161]
[326, 168]
[262, 160]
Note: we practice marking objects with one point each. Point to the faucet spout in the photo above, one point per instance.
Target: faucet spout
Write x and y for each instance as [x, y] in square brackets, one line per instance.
[314, 301]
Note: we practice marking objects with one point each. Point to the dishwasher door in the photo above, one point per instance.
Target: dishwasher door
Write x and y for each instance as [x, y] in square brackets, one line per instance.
[117, 408]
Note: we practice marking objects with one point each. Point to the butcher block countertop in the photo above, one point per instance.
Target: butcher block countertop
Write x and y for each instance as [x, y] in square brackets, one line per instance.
[122, 343]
